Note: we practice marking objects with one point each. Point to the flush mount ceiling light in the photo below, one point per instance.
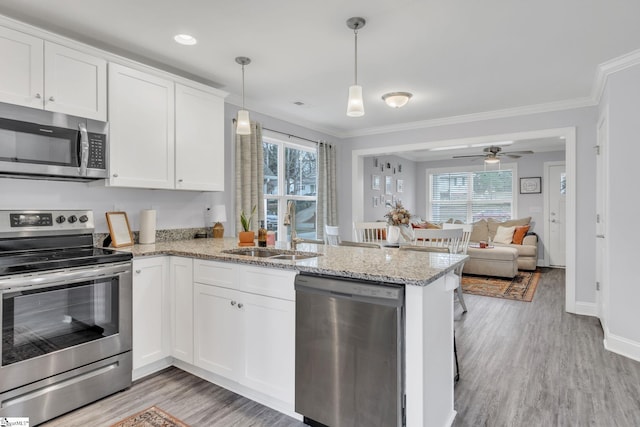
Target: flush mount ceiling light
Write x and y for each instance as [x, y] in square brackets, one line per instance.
[355, 105]
[396, 99]
[244, 125]
[491, 159]
[185, 39]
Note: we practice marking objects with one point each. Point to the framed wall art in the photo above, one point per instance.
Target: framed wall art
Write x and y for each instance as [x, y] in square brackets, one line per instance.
[531, 185]
[119, 229]
[400, 185]
[375, 182]
[388, 184]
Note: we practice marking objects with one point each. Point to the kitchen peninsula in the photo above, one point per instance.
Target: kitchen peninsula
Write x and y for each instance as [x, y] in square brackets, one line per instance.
[202, 270]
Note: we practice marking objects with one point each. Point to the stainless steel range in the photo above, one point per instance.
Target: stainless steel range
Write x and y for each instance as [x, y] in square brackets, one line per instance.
[66, 314]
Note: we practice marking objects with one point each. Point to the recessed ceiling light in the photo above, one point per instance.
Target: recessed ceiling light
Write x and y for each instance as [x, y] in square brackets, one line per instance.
[185, 39]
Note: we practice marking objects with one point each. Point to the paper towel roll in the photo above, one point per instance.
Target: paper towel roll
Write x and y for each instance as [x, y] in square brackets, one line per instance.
[147, 226]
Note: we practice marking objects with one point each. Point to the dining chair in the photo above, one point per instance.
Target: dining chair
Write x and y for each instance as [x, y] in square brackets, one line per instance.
[451, 239]
[332, 235]
[370, 231]
[359, 244]
[466, 234]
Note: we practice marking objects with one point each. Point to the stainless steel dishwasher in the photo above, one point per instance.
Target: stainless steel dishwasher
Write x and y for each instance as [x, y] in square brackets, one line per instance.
[349, 352]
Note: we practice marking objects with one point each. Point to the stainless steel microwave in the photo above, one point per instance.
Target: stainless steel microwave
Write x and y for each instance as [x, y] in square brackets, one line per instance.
[43, 151]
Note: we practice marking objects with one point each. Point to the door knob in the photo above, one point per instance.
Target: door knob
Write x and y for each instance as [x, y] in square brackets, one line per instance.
[52, 99]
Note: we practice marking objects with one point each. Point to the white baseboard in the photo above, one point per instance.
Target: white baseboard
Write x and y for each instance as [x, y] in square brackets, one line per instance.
[622, 346]
[586, 308]
[151, 368]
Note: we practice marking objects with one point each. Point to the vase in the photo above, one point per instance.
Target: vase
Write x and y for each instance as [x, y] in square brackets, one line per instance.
[393, 234]
[246, 238]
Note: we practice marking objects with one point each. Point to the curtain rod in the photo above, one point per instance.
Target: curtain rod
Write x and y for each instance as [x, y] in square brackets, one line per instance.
[289, 135]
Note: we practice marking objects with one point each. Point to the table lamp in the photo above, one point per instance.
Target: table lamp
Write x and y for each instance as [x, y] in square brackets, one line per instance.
[218, 215]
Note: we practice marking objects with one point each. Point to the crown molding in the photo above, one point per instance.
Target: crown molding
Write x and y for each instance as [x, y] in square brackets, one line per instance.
[611, 67]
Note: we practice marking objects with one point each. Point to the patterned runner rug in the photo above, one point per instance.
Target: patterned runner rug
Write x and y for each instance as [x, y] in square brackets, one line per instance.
[151, 417]
[520, 288]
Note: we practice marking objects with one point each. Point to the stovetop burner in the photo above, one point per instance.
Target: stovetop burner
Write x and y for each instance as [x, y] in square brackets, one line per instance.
[34, 241]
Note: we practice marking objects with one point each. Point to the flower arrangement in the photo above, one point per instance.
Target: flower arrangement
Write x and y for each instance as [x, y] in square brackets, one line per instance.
[398, 215]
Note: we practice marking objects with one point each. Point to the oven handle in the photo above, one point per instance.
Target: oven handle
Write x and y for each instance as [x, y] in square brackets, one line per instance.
[49, 279]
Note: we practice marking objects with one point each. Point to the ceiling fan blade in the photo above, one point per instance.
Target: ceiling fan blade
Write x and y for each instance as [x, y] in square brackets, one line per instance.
[518, 152]
[467, 157]
[513, 156]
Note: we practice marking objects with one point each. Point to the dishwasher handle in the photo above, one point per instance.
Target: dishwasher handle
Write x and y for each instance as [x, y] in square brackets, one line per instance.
[373, 293]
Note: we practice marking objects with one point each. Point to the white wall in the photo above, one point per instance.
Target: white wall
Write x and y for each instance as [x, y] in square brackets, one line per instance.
[402, 169]
[175, 209]
[583, 119]
[622, 235]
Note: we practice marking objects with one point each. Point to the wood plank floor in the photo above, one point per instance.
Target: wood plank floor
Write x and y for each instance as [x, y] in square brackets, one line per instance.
[521, 364]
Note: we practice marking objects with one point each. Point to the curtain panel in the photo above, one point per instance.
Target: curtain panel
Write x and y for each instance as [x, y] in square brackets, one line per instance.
[249, 167]
[327, 206]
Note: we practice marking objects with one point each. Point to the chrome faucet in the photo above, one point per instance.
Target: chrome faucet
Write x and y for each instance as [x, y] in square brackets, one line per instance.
[290, 220]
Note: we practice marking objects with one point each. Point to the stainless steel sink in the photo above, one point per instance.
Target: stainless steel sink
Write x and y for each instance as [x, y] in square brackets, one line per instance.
[279, 254]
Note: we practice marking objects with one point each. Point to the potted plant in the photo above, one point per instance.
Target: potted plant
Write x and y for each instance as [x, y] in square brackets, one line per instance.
[247, 236]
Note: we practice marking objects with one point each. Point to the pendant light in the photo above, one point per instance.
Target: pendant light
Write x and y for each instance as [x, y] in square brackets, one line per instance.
[355, 105]
[244, 125]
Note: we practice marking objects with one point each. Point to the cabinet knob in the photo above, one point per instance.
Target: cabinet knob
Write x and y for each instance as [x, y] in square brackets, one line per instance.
[52, 99]
[180, 180]
[138, 271]
[38, 96]
[115, 175]
[240, 305]
[233, 303]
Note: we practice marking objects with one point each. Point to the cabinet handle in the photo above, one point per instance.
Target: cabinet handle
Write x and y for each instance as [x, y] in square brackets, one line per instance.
[52, 99]
[38, 96]
[233, 303]
[138, 271]
[180, 180]
[115, 175]
[240, 305]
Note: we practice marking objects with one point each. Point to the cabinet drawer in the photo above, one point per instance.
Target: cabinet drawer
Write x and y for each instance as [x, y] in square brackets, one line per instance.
[215, 273]
[267, 281]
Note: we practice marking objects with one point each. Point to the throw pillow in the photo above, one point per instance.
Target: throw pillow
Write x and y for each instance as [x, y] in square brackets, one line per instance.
[480, 231]
[518, 235]
[493, 224]
[504, 234]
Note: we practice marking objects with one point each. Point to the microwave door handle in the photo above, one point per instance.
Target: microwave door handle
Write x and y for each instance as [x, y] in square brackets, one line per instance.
[84, 149]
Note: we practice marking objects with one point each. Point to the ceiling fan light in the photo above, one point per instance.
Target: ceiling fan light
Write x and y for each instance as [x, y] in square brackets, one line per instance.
[355, 105]
[244, 125]
[396, 99]
[491, 160]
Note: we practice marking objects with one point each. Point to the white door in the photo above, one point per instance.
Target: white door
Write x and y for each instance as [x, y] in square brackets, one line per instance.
[601, 217]
[556, 194]
[75, 83]
[142, 138]
[199, 140]
[22, 71]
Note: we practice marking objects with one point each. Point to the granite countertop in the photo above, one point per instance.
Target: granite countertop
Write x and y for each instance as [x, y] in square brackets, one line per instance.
[389, 265]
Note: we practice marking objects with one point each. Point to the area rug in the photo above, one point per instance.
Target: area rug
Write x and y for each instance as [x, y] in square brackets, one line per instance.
[151, 417]
[520, 288]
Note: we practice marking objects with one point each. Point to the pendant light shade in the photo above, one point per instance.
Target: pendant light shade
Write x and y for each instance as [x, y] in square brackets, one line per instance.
[244, 124]
[355, 104]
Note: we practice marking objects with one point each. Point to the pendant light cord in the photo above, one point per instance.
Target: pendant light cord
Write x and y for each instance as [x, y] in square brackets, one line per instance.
[356, 55]
[243, 86]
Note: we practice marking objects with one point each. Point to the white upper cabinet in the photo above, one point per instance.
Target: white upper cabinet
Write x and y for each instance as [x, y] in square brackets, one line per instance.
[75, 83]
[44, 75]
[142, 137]
[22, 69]
[199, 140]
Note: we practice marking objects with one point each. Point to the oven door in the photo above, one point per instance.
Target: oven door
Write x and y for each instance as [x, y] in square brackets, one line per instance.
[57, 321]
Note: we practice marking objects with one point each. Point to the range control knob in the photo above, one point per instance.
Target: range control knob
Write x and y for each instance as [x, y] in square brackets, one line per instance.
[84, 218]
[60, 219]
[72, 219]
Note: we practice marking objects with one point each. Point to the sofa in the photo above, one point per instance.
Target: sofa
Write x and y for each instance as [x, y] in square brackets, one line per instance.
[506, 258]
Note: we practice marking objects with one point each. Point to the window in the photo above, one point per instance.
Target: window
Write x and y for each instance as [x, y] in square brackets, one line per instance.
[471, 195]
[290, 175]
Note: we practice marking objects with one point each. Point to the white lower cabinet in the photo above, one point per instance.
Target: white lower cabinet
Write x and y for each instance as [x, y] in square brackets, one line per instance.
[151, 325]
[247, 337]
[181, 302]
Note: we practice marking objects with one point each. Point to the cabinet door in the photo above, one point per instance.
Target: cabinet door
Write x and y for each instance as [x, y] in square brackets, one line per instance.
[150, 305]
[21, 72]
[269, 346]
[217, 342]
[199, 140]
[141, 116]
[181, 285]
[75, 83]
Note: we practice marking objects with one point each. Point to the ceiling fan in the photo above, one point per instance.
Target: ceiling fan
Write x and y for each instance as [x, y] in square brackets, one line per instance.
[493, 154]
